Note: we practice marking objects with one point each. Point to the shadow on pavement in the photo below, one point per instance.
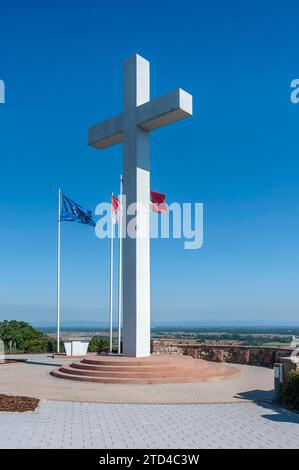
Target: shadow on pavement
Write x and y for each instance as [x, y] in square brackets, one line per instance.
[264, 399]
[282, 415]
[257, 395]
[37, 363]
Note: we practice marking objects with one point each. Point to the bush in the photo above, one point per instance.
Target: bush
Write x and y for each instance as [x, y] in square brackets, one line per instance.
[52, 346]
[35, 346]
[104, 346]
[291, 391]
[99, 345]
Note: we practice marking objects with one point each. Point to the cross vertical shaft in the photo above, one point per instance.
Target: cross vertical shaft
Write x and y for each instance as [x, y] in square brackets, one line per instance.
[136, 251]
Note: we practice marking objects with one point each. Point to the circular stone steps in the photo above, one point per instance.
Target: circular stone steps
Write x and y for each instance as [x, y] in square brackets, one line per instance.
[146, 370]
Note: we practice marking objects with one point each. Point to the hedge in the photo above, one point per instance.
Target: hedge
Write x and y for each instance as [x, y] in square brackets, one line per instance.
[291, 391]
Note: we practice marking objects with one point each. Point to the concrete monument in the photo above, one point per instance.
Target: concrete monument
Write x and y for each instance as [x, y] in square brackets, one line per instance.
[133, 127]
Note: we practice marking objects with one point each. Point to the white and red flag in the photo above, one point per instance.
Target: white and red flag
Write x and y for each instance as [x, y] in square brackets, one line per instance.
[115, 209]
[158, 202]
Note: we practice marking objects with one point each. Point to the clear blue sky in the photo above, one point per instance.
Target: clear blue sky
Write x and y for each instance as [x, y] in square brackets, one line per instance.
[239, 154]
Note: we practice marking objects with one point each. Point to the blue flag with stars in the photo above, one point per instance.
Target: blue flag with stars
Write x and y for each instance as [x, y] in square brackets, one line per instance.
[72, 212]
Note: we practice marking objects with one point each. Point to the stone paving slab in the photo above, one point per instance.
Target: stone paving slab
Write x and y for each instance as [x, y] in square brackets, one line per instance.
[57, 424]
[32, 379]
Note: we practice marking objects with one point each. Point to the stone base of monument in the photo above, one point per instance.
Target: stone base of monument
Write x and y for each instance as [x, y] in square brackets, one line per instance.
[155, 369]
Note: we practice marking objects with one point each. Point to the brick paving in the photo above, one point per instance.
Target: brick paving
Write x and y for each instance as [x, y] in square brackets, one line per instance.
[33, 379]
[58, 424]
[218, 414]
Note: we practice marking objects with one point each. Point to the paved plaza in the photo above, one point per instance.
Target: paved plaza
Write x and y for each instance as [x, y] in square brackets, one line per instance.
[235, 413]
[57, 424]
[34, 379]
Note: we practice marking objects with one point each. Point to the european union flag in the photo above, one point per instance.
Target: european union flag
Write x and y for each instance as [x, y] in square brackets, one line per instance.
[72, 212]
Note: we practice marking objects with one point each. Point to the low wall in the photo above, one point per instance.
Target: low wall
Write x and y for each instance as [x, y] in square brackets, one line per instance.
[252, 355]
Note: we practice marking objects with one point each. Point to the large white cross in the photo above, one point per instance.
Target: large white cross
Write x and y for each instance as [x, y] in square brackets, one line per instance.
[132, 127]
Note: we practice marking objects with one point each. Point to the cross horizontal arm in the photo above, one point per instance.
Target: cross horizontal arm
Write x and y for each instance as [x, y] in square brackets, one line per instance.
[106, 133]
[164, 110]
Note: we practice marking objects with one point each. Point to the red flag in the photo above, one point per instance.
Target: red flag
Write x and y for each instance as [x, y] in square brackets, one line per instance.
[158, 202]
[115, 206]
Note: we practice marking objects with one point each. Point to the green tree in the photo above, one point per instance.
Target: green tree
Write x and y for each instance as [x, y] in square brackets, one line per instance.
[27, 338]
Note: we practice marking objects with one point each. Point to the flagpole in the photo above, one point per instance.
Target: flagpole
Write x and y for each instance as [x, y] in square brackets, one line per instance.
[58, 272]
[120, 266]
[111, 279]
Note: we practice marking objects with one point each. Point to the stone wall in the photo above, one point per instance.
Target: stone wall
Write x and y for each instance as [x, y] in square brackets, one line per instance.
[252, 355]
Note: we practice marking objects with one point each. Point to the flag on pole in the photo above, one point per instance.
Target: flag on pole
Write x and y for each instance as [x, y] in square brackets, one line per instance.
[68, 211]
[72, 212]
[115, 209]
[158, 202]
